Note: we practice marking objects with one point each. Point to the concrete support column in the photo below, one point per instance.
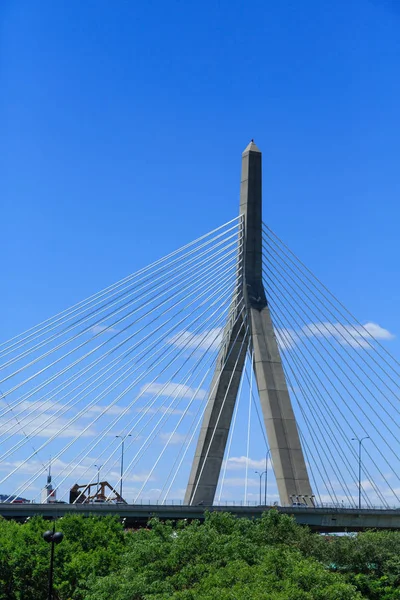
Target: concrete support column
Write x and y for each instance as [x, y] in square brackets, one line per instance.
[280, 423]
[217, 418]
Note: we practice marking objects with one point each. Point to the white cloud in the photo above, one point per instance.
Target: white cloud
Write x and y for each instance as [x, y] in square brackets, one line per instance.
[103, 329]
[207, 340]
[177, 438]
[163, 409]
[84, 472]
[57, 465]
[39, 419]
[236, 463]
[286, 338]
[173, 389]
[135, 477]
[151, 495]
[110, 410]
[376, 331]
[39, 427]
[357, 336]
[352, 335]
[367, 485]
[239, 482]
[31, 406]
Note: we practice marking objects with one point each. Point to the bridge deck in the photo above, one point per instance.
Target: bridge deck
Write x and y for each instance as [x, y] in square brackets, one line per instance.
[318, 519]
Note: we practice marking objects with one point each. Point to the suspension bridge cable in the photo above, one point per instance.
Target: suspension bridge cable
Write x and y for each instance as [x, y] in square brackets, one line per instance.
[138, 379]
[162, 420]
[156, 286]
[337, 364]
[306, 450]
[131, 385]
[248, 428]
[320, 434]
[348, 329]
[328, 329]
[313, 437]
[326, 297]
[221, 409]
[318, 404]
[321, 397]
[96, 335]
[351, 395]
[197, 296]
[105, 392]
[231, 434]
[164, 417]
[317, 409]
[130, 426]
[207, 403]
[128, 278]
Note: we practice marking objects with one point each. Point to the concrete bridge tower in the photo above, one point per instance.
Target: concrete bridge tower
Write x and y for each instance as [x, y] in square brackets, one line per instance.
[280, 423]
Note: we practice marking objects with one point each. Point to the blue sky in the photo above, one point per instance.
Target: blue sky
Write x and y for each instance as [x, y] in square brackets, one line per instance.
[122, 126]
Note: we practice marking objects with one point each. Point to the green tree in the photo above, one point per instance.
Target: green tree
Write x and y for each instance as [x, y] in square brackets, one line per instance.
[225, 558]
[91, 548]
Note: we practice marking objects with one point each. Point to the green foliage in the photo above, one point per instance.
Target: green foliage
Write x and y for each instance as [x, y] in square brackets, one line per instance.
[370, 561]
[91, 548]
[226, 558]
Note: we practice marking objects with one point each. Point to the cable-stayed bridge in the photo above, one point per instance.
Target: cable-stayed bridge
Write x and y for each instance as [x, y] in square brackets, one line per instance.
[225, 373]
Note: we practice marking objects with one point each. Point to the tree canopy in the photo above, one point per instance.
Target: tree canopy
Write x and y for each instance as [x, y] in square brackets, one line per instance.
[225, 557]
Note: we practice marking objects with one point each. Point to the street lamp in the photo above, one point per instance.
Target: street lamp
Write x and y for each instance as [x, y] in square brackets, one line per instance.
[122, 437]
[98, 479]
[260, 476]
[52, 537]
[360, 441]
[268, 455]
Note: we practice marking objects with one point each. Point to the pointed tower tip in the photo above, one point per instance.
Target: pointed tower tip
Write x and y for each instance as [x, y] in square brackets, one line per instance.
[251, 148]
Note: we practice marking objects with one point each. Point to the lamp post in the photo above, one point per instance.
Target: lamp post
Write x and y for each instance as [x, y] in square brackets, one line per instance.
[360, 441]
[261, 476]
[268, 455]
[98, 479]
[52, 537]
[122, 438]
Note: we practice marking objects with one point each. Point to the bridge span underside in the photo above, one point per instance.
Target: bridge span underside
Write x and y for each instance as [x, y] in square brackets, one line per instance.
[323, 520]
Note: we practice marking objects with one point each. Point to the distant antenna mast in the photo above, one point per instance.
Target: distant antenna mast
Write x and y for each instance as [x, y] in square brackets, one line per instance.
[48, 493]
[49, 475]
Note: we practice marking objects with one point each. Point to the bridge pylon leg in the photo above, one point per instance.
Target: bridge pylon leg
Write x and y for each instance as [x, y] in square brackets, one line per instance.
[217, 418]
[258, 335]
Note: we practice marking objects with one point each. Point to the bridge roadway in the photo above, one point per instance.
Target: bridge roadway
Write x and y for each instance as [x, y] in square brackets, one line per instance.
[327, 520]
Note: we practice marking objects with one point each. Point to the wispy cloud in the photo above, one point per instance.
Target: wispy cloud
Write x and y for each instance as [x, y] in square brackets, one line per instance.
[30, 406]
[207, 340]
[352, 335]
[236, 463]
[163, 409]
[38, 427]
[171, 388]
[177, 438]
[240, 481]
[357, 336]
[287, 338]
[57, 465]
[74, 471]
[109, 410]
[103, 329]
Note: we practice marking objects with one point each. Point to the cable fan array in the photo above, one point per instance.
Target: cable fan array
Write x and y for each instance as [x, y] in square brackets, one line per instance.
[343, 382]
[136, 360]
